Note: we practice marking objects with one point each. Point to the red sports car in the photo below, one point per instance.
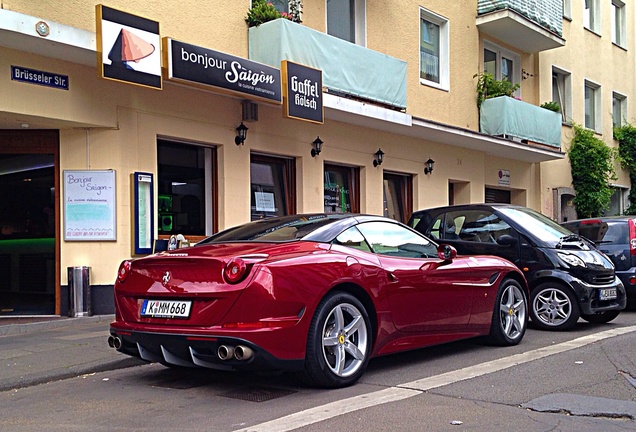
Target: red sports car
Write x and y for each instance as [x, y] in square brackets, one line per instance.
[319, 294]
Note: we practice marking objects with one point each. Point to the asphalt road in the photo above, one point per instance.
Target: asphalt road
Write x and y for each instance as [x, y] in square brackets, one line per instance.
[582, 380]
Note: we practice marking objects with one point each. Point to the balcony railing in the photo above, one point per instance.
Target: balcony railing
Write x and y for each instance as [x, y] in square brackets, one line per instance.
[520, 121]
[529, 25]
[346, 68]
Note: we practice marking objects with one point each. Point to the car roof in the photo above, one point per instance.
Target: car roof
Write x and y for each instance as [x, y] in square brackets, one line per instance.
[466, 207]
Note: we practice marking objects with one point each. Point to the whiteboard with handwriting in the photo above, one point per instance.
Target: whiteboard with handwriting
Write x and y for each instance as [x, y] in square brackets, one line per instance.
[89, 205]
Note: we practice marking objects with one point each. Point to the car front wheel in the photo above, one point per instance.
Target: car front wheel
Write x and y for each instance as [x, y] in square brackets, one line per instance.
[553, 307]
[339, 342]
[509, 318]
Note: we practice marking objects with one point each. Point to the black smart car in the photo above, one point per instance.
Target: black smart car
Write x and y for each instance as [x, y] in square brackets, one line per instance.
[616, 237]
[568, 277]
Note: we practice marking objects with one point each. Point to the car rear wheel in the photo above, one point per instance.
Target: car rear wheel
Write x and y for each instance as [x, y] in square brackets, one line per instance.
[339, 342]
[553, 307]
[600, 317]
[509, 317]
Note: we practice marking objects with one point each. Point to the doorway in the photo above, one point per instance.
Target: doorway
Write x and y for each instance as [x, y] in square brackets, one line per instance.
[29, 215]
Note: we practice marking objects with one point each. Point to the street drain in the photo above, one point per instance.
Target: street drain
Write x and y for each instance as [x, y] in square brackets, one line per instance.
[258, 393]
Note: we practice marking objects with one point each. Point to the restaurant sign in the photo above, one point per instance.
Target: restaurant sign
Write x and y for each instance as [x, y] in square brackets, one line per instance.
[202, 67]
[302, 92]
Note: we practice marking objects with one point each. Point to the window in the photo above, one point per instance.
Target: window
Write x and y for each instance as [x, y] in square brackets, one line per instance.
[434, 49]
[346, 20]
[474, 225]
[619, 109]
[567, 9]
[592, 106]
[592, 15]
[562, 92]
[398, 190]
[395, 240]
[618, 23]
[619, 202]
[502, 64]
[341, 189]
[185, 186]
[273, 191]
[280, 5]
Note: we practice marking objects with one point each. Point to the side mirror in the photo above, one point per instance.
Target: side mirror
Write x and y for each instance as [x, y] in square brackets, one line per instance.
[507, 240]
[446, 252]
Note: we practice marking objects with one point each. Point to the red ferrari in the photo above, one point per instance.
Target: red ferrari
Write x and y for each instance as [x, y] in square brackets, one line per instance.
[318, 294]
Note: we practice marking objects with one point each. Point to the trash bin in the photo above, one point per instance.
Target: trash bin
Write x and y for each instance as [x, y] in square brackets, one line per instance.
[79, 291]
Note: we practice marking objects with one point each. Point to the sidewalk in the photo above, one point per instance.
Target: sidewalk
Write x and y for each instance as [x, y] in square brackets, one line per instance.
[36, 350]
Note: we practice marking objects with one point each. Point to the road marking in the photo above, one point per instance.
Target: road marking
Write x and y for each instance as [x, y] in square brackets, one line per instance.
[417, 387]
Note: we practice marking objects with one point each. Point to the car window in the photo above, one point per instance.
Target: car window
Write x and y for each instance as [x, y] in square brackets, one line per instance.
[617, 232]
[537, 224]
[396, 240]
[354, 239]
[435, 230]
[475, 225]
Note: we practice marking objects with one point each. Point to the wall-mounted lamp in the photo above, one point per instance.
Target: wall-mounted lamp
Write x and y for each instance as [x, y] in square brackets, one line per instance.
[379, 157]
[429, 166]
[241, 132]
[317, 143]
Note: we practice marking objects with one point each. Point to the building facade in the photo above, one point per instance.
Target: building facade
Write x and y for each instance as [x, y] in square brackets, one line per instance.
[97, 166]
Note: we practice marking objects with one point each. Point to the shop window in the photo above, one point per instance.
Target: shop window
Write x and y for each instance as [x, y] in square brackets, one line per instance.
[186, 189]
[273, 187]
[346, 20]
[398, 192]
[341, 189]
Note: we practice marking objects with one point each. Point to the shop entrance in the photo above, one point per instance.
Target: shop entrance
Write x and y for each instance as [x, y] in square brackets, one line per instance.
[29, 215]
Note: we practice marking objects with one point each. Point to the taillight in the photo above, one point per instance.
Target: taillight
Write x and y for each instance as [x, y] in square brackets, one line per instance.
[235, 270]
[632, 237]
[591, 222]
[123, 272]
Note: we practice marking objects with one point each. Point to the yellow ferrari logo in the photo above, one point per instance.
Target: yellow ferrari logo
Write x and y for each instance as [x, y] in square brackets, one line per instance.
[341, 339]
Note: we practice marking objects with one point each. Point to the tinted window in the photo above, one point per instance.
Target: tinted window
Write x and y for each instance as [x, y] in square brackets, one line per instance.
[475, 225]
[272, 229]
[396, 240]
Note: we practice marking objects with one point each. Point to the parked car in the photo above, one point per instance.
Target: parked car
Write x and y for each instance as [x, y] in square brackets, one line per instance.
[616, 237]
[568, 277]
[320, 294]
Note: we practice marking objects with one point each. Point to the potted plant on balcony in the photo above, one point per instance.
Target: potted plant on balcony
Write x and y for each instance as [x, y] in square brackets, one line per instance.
[263, 11]
[489, 87]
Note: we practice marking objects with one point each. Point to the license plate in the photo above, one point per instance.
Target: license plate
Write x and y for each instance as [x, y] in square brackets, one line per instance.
[165, 308]
[607, 294]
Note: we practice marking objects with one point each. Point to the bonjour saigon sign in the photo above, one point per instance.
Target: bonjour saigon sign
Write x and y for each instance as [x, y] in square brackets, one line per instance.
[202, 67]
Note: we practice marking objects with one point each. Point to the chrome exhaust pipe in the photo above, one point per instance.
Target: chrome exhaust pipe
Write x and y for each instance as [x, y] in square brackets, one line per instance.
[225, 352]
[114, 342]
[243, 353]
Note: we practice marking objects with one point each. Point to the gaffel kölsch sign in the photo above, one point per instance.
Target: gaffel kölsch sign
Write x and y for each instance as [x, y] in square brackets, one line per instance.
[202, 67]
[302, 92]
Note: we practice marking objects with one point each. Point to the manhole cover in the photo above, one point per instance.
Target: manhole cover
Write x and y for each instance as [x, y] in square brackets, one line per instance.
[258, 393]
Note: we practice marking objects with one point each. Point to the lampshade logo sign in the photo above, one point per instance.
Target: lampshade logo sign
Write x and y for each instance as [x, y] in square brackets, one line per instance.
[302, 92]
[129, 48]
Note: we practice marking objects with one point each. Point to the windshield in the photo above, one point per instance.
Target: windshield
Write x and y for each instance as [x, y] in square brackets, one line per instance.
[537, 224]
[274, 229]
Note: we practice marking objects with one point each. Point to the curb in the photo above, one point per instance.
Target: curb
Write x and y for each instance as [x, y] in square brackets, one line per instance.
[18, 329]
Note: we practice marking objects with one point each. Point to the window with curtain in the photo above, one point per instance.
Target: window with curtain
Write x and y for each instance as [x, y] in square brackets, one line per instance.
[272, 184]
[185, 176]
[341, 189]
[434, 55]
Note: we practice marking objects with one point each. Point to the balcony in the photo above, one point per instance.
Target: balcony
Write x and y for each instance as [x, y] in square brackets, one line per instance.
[347, 69]
[520, 121]
[531, 26]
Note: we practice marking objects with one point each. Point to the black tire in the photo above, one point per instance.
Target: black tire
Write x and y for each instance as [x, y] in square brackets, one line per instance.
[510, 314]
[553, 306]
[339, 342]
[601, 317]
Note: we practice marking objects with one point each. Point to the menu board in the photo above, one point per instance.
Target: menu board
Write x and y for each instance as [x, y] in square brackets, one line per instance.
[89, 205]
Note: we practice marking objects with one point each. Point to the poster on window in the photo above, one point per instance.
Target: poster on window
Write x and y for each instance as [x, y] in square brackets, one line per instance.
[265, 201]
[89, 205]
